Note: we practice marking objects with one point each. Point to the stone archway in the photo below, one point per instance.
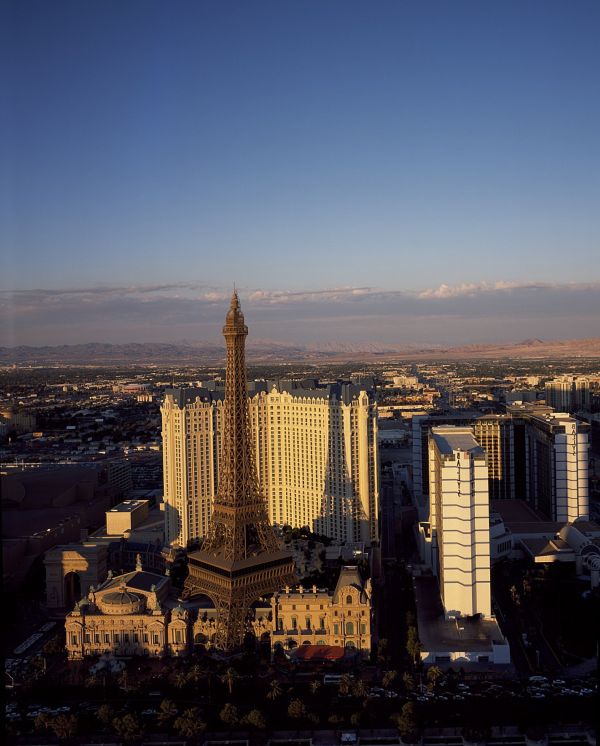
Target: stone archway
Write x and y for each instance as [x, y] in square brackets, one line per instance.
[88, 561]
[72, 589]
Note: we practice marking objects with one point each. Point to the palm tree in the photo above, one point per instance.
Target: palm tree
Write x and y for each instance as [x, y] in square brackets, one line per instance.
[296, 709]
[128, 727]
[408, 681]
[345, 684]
[360, 689]
[315, 686]
[388, 678]
[256, 719]
[190, 723]
[229, 678]
[229, 715]
[64, 726]
[180, 679]
[434, 674]
[275, 690]
[167, 711]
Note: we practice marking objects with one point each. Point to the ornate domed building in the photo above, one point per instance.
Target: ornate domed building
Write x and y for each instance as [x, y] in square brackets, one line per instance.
[130, 614]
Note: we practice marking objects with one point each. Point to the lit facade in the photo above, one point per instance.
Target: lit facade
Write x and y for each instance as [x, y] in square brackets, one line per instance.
[557, 468]
[460, 521]
[342, 617]
[316, 458]
[568, 393]
[127, 615]
[533, 454]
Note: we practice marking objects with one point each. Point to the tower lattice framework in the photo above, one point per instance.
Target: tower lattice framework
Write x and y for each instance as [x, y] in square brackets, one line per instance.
[241, 559]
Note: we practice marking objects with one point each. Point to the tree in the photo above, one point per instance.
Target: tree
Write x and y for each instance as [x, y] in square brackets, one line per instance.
[123, 679]
[388, 678]
[229, 677]
[256, 719]
[434, 674]
[345, 684]
[91, 682]
[382, 648]
[275, 690]
[408, 681]
[296, 709]
[42, 721]
[407, 722]
[128, 727]
[105, 714]
[413, 646]
[360, 689]
[167, 711]
[229, 715]
[514, 594]
[180, 679]
[190, 724]
[64, 726]
[315, 685]
[312, 718]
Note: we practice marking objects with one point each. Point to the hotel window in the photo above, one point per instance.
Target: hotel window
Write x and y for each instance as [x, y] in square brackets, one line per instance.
[87, 638]
[155, 639]
[96, 638]
[107, 638]
[145, 637]
[336, 629]
[73, 639]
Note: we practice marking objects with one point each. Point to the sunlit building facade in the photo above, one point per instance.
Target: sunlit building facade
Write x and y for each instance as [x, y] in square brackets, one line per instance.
[317, 458]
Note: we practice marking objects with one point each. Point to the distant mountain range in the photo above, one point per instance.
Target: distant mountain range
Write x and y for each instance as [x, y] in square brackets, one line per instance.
[207, 353]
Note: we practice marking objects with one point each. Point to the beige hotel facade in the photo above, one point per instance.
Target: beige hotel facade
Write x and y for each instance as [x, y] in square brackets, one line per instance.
[317, 457]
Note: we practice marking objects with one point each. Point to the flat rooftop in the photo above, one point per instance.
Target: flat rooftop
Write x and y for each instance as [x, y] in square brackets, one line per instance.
[517, 511]
[450, 439]
[440, 635]
[127, 506]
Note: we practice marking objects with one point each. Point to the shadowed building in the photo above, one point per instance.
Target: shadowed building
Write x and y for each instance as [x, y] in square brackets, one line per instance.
[241, 559]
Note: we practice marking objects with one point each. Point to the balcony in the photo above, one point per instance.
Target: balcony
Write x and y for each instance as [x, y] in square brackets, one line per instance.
[292, 632]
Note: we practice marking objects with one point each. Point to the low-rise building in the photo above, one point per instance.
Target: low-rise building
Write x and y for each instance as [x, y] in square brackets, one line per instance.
[128, 615]
[314, 616]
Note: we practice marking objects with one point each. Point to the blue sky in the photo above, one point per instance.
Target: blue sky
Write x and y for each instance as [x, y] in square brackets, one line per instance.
[403, 147]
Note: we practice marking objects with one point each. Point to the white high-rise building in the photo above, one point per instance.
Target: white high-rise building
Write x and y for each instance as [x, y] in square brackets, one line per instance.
[317, 458]
[557, 469]
[459, 522]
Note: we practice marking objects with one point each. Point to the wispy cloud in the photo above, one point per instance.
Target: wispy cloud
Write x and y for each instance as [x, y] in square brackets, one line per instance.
[446, 313]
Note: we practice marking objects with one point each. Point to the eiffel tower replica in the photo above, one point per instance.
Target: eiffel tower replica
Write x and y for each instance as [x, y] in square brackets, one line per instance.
[241, 558]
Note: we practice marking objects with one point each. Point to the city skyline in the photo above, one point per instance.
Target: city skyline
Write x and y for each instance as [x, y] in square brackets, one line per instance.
[424, 153]
[467, 313]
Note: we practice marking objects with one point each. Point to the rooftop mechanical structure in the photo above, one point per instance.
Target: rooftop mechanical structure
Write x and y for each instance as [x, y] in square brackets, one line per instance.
[241, 558]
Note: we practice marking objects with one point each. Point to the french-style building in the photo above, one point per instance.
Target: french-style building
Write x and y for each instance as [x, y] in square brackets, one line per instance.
[128, 615]
[313, 616]
[137, 614]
